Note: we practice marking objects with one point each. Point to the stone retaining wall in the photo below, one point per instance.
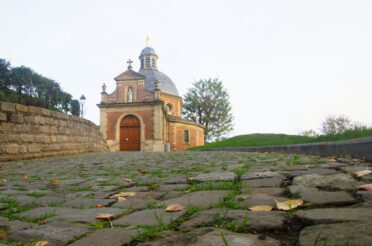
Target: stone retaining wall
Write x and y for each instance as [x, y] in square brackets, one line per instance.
[357, 148]
[30, 132]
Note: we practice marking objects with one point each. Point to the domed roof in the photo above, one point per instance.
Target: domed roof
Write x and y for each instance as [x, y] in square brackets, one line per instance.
[166, 84]
[148, 51]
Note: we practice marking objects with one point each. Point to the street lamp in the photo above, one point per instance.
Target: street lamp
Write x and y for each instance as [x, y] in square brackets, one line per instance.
[82, 101]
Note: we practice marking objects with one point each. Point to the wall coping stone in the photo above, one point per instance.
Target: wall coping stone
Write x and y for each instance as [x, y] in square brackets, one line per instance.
[357, 148]
[7, 107]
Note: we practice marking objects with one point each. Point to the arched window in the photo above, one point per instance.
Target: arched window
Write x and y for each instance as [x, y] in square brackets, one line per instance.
[153, 63]
[169, 109]
[142, 61]
[130, 95]
[186, 136]
[148, 62]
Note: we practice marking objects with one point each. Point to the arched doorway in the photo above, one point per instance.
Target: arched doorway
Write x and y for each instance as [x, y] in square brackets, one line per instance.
[130, 134]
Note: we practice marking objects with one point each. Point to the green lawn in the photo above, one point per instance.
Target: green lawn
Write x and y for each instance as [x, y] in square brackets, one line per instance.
[260, 139]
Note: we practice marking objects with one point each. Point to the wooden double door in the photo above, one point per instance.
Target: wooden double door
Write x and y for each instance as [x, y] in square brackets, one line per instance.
[130, 134]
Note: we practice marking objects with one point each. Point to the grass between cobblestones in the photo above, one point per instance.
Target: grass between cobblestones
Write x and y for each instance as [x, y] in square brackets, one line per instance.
[150, 171]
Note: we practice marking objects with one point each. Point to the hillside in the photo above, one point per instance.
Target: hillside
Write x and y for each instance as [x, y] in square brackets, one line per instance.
[262, 139]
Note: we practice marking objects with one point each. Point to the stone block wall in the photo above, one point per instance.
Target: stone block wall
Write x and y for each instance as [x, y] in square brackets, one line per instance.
[30, 132]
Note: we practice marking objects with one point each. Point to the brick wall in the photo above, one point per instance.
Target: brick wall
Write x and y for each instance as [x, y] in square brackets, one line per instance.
[176, 136]
[175, 101]
[146, 115]
[29, 132]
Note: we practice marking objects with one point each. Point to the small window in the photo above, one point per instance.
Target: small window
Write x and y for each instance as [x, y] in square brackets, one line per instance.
[186, 136]
[142, 61]
[153, 63]
[147, 62]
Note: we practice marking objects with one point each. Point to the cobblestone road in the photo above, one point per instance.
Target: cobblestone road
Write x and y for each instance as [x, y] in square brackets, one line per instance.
[56, 201]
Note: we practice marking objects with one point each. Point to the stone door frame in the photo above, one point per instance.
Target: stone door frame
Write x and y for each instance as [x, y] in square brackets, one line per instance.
[142, 130]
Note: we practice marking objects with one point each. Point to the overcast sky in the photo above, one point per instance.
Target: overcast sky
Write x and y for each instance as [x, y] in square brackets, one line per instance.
[286, 64]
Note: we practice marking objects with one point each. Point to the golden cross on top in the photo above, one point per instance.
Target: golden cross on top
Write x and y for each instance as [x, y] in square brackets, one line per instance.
[147, 41]
[130, 63]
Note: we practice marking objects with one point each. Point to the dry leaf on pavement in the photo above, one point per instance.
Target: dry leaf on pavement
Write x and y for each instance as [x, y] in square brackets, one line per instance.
[41, 243]
[123, 194]
[2, 234]
[24, 176]
[289, 204]
[55, 180]
[100, 206]
[261, 208]
[42, 222]
[154, 187]
[242, 198]
[142, 171]
[174, 208]
[105, 216]
[363, 173]
[2, 180]
[365, 187]
[120, 199]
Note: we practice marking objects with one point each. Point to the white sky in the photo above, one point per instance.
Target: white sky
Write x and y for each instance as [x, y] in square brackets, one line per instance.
[286, 64]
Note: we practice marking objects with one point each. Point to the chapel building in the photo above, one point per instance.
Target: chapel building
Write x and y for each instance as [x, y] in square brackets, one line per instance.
[144, 111]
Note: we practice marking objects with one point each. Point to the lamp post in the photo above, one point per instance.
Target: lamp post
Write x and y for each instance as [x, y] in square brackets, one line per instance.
[82, 101]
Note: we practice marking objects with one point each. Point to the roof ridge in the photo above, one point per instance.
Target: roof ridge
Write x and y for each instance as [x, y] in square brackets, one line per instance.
[129, 74]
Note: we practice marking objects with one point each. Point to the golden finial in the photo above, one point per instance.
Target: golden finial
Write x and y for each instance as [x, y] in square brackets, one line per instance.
[147, 41]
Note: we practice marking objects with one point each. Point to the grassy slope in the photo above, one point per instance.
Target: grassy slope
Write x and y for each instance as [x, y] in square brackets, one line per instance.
[258, 139]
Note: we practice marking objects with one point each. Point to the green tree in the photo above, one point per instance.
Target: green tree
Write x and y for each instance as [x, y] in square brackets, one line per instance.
[336, 125]
[75, 107]
[23, 85]
[207, 103]
[21, 81]
[4, 74]
[309, 133]
[66, 102]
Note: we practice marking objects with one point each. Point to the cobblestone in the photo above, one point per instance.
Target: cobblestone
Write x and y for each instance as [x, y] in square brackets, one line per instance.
[58, 199]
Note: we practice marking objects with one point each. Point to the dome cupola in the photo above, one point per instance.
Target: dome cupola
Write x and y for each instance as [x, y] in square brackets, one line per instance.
[149, 68]
[148, 57]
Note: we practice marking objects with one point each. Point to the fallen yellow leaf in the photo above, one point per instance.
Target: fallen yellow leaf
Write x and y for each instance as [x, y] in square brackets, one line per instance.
[2, 180]
[365, 187]
[2, 234]
[242, 198]
[289, 204]
[142, 171]
[123, 194]
[41, 243]
[42, 222]
[120, 199]
[174, 208]
[100, 206]
[55, 180]
[154, 187]
[24, 176]
[362, 173]
[105, 216]
[261, 208]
